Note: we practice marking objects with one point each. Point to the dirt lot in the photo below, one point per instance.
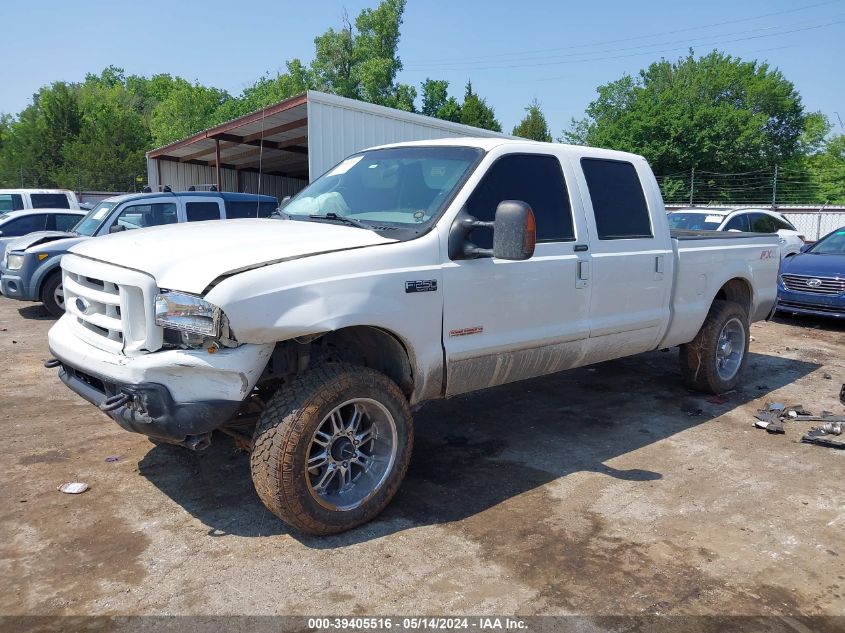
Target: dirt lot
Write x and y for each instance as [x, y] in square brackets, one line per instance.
[608, 490]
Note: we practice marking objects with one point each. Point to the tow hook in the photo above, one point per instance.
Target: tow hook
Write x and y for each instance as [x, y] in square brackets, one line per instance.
[116, 401]
[50, 363]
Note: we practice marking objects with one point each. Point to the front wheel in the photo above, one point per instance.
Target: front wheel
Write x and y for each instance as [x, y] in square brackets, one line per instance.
[713, 361]
[331, 448]
[53, 295]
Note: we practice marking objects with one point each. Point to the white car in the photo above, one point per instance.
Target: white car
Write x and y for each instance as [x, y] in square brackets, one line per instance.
[744, 220]
[14, 224]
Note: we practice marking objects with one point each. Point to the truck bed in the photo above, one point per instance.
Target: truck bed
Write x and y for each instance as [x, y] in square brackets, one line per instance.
[703, 260]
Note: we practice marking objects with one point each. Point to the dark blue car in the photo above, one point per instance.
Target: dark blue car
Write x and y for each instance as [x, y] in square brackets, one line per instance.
[813, 282]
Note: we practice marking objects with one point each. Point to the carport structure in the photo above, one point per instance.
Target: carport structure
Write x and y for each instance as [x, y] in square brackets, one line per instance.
[284, 146]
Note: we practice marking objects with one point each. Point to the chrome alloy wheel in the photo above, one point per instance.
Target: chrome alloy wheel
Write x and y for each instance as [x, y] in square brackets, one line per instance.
[351, 454]
[730, 349]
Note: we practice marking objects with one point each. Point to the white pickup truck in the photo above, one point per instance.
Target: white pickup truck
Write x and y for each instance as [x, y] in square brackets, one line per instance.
[406, 273]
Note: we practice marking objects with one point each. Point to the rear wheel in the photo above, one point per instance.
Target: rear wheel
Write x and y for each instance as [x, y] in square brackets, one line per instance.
[332, 447]
[53, 296]
[713, 361]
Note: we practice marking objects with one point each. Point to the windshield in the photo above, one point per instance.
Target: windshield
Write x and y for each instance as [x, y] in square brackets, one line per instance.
[694, 221]
[403, 187]
[833, 244]
[91, 222]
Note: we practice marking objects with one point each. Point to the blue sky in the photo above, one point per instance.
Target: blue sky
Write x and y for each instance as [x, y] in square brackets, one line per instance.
[557, 52]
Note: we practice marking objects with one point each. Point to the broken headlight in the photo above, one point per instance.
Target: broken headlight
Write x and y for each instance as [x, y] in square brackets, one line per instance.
[187, 313]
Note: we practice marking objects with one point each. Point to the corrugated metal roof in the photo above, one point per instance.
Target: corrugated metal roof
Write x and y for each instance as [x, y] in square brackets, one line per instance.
[298, 138]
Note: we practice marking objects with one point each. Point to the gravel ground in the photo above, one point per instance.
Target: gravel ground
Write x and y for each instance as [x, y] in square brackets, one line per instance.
[608, 490]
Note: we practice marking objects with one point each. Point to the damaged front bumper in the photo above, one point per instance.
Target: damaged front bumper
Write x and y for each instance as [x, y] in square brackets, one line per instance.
[173, 395]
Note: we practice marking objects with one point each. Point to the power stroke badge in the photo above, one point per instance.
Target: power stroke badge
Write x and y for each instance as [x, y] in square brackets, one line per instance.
[421, 285]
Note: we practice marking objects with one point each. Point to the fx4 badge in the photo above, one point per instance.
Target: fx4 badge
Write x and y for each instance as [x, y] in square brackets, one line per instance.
[421, 285]
[766, 255]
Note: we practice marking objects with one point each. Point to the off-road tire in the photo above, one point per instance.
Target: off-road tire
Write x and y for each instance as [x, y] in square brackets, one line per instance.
[283, 436]
[698, 357]
[48, 291]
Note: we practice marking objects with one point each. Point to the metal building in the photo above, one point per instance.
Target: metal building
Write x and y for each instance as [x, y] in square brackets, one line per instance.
[286, 145]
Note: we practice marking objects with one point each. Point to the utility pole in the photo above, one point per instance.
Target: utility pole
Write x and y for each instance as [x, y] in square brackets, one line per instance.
[691, 185]
[775, 189]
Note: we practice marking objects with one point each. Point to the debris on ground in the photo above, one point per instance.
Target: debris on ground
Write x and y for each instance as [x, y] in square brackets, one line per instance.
[827, 376]
[113, 458]
[717, 399]
[818, 436]
[73, 488]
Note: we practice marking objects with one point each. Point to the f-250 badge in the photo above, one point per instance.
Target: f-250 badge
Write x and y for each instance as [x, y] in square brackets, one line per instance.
[421, 285]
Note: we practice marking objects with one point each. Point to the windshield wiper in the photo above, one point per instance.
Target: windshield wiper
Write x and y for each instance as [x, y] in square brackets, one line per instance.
[341, 218]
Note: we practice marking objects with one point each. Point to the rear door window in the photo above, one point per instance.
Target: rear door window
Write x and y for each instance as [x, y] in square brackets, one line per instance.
[49, 201]
[139, 216]
[535, 179]
[202, 211]
[618, 200]
[247, 209]
[762, 223]
[24, 225]
[66, 221]
[738, 223]
[11, 202]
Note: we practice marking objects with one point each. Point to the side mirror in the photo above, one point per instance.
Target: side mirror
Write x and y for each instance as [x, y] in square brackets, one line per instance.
[116, 228]
[514, 231]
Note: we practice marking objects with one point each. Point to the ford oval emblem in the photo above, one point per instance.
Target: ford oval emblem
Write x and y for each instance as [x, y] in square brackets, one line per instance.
[814, 283]
[82, 305]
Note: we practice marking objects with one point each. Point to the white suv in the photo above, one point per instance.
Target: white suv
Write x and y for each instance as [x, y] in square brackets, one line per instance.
[744, 220]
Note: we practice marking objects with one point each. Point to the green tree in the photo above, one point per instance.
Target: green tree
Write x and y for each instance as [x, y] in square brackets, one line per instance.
[109, 150]
[436, 101]
[534, 125]
[187, 109]
[361, 61]
[476, 112]
[715, 113]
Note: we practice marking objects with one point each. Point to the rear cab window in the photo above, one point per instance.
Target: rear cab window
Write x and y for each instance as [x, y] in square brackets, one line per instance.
[619, 204]
[49, 201]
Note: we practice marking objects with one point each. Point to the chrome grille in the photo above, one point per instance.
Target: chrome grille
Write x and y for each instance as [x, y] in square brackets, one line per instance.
[112, 307]
[830, 286]
[95, 304]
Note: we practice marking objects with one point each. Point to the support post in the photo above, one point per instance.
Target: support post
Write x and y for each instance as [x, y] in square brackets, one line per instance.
[217, 164]
[691, 185]
[775, 189]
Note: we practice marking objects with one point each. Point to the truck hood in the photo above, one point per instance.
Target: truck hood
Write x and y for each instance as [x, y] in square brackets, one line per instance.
[191, 256]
